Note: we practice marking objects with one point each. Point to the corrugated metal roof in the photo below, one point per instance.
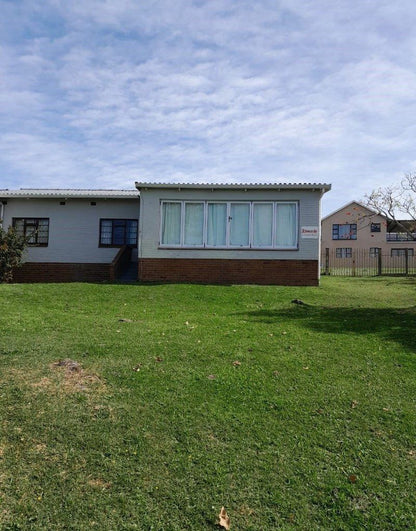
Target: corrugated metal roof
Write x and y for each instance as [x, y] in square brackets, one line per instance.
[249, 186]
[69, 193]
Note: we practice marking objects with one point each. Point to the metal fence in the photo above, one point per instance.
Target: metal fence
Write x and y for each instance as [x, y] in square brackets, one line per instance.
[366, 263]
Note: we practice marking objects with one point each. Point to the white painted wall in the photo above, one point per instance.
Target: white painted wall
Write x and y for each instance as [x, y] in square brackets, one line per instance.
[73, 227]
[149, 224]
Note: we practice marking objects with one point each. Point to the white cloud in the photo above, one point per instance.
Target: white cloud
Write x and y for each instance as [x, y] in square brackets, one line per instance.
[95, 92]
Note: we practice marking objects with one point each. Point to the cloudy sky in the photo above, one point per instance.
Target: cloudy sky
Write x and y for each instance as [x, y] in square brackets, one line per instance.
[100, 93]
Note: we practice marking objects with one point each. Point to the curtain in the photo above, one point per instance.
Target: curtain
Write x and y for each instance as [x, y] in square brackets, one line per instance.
[262, 224]
[286, 225]
[194, 224]
[217, 224]
[240, 224]
[171, 223]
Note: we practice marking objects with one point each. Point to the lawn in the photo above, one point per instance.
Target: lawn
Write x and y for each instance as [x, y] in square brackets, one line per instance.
[181, 399]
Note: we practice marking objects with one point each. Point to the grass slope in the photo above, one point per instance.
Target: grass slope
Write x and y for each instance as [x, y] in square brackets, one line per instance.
[314, 428]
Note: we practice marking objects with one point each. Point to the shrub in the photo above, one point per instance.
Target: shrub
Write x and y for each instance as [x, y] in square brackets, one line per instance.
[12, 246]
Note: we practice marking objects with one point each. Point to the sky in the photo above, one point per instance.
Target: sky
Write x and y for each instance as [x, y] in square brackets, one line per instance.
[101, 93]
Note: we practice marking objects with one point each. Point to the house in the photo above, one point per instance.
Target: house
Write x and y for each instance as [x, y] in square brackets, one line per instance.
[356, 227]
[230, 233]
[75, 235]
[209, 233]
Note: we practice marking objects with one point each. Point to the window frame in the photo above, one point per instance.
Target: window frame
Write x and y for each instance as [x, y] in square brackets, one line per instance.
[401, 252]
[336, 231]
[35, 232]
[375, 227]
[344, 255]
[227, 246]
[375, 252]
[117, 245]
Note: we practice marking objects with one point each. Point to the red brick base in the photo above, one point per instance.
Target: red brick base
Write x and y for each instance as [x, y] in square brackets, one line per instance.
[207, 271]
[62, 272]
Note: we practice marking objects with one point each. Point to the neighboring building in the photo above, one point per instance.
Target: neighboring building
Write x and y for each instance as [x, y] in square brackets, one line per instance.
[356, 227]
[210, 233]
[230, 233]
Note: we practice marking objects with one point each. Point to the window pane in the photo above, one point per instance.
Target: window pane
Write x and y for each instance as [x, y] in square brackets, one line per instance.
[119, 231]
[194, 223]
[43, 231]
[171, 223]
[19, 226]
[286, 225]
[239, 224]
[262, 225]
[131, 232]
[217, 226]
[106, 232]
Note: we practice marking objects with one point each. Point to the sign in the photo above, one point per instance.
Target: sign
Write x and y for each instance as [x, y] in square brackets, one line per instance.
[309, 232]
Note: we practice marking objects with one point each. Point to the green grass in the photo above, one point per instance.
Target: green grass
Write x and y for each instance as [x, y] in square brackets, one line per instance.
[314, 429]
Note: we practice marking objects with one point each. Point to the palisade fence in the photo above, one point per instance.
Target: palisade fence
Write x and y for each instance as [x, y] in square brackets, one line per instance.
[360, 263]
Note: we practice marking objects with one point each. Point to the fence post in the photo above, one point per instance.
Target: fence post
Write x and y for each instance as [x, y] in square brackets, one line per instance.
[379, 263]
[327, 261]
[354, 256]
[406, 262]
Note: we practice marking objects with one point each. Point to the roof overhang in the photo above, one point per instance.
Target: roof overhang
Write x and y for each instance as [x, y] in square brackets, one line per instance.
[62, 193]
[313, 187]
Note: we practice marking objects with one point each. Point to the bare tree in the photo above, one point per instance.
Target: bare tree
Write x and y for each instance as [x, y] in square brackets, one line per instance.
[393, 202]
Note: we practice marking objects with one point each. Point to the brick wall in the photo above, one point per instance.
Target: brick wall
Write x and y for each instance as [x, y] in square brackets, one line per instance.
[209, 271]
[62, 272]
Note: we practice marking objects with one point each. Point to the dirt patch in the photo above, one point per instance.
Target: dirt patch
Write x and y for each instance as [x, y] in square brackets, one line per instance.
[99, 484]
[74, 378]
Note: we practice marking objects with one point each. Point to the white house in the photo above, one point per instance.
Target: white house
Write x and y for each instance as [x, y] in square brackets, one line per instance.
[210, 233]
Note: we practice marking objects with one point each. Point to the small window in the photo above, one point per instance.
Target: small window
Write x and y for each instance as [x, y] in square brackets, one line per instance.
[402, 252]
[347, 231]
[343, 252]
[35, 230]
[118, 232]
[374, 252]
[375, 227]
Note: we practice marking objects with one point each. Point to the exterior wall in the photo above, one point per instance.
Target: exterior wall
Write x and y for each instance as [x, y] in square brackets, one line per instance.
[296, 267]
[356, 213]
[63, 272]
[73, 227]
[218, 271]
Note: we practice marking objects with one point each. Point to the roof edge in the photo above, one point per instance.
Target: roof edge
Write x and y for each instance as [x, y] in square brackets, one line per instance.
[322, 187]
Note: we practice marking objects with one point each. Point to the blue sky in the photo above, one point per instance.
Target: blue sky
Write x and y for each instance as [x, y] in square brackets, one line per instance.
[102, 93]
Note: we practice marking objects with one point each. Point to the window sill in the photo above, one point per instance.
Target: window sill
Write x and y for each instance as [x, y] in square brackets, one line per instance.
[196, 248]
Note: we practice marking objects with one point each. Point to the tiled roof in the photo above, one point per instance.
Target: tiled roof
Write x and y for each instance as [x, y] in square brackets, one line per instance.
[68, 193]
[251, 186]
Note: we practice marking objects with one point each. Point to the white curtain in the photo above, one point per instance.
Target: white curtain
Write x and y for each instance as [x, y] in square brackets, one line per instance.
[217, 224]
[262, 224]
[240, 224]
[286, 225]
[171, 223]
[194, 224]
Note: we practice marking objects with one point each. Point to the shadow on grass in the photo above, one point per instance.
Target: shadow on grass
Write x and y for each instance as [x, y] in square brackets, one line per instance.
[391, 324]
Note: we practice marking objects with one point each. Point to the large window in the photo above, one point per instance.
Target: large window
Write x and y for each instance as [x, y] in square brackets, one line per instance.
[229, 224]
[118, 232]
[347, 231]
[35, 230]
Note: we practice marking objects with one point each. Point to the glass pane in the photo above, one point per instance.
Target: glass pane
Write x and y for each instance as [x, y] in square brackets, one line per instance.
[217, 224]
[194, 223]
[262, 225]
[119, 231]
[106, 232]
[240, 224]
[286, 225]
[132, 232]
[19, 226]
[171, 223]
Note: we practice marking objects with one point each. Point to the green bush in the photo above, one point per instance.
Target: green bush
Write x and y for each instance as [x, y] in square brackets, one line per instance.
[12, 246]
